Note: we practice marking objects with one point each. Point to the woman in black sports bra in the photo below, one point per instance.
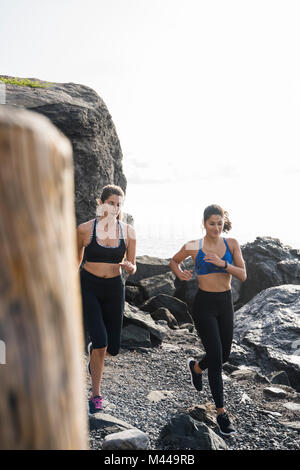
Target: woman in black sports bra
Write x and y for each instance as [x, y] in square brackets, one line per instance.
[102, 244]
[216, 259]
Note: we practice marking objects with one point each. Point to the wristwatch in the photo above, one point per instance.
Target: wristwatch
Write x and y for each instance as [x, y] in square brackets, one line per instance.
[226, 264]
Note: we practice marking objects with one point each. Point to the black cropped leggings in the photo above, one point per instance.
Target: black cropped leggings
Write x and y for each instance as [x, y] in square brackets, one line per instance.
[213, 318]
[103, 301]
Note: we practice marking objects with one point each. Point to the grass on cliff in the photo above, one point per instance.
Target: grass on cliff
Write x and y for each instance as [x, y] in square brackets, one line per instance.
[24, 82]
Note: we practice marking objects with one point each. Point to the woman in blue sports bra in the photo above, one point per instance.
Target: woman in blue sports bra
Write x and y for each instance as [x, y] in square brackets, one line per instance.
[103, 243]
[216, 260]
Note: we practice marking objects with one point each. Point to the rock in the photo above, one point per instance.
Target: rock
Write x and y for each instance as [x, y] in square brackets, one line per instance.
[164, 314]
[274, 414]
[132, 315]
[134, 295]
[240, 355]
[291, 424]
[225, 377]
[80, 113]
[194, 352]
[275, 392]
[280, 377]
[158, 395]
[149, 266]
[185, 432]
[236, 286]
[202, 413]
[266, 330]
[177, 308]
[245, 398]
[170, 347]
[187, 326]
[269, 263]
[243, 374]
[161, 322]
[109, 423]
[142, 350]
[159, 284]
[131, 439]
[229, 367]
[107, 406]
[292, 406]
[134, 336]
[261, 378]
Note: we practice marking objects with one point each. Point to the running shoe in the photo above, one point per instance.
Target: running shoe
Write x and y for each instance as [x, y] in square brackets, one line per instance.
[224, 425]
[95, 404]
[89, 349]
[196, 379]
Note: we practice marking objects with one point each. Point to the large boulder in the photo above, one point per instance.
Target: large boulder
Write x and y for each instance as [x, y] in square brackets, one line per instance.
[148, 266]
[143, 320]
[159, 284]
[80, 113]
[133, 336]
[153, 276]
[186, 432]
[269, 263]
[131, 439]
[177, 308]
[267, 332]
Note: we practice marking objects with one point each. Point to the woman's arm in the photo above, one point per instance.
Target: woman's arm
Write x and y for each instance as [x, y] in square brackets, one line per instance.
[180, 256]
[239, 269]
[80, 243]
[130, 264]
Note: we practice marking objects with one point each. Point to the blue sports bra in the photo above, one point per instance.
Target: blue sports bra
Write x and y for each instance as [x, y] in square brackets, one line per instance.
[204, 267]
[97, 253]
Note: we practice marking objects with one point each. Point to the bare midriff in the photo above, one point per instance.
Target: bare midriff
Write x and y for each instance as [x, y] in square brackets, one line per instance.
[213, 282]
[103, 269]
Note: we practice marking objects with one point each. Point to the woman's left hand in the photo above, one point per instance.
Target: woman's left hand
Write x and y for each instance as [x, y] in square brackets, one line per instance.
[214, 259]
[128, 266]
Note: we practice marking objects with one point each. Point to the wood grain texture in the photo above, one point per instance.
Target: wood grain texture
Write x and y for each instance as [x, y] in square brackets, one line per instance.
[42, 403]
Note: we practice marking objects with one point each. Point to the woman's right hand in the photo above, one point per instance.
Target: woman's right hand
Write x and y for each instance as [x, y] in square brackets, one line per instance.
[185, 275]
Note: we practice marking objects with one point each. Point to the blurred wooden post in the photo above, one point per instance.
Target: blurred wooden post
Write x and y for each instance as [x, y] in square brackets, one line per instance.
[42, 382]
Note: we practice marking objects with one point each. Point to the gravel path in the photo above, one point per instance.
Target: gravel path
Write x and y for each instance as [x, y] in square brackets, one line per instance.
[129, 377]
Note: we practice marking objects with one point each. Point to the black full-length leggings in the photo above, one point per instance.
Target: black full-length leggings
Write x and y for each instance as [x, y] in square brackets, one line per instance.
[213, 318]
[103, 302]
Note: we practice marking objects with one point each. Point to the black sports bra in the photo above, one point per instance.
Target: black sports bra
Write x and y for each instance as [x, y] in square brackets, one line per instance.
[97, 253]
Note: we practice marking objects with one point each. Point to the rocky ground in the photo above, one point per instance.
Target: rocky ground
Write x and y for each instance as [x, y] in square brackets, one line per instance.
[148, 384]
[263, 422]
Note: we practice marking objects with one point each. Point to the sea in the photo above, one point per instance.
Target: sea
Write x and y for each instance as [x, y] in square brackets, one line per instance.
[166, 215]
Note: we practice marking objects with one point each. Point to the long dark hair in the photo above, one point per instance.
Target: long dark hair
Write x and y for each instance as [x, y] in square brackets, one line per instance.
[215, 209]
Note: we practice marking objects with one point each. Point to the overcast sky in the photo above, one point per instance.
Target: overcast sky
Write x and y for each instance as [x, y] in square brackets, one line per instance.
[200, 91]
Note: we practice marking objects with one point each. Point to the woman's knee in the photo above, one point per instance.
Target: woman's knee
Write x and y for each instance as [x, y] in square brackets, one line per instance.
[99, 351]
